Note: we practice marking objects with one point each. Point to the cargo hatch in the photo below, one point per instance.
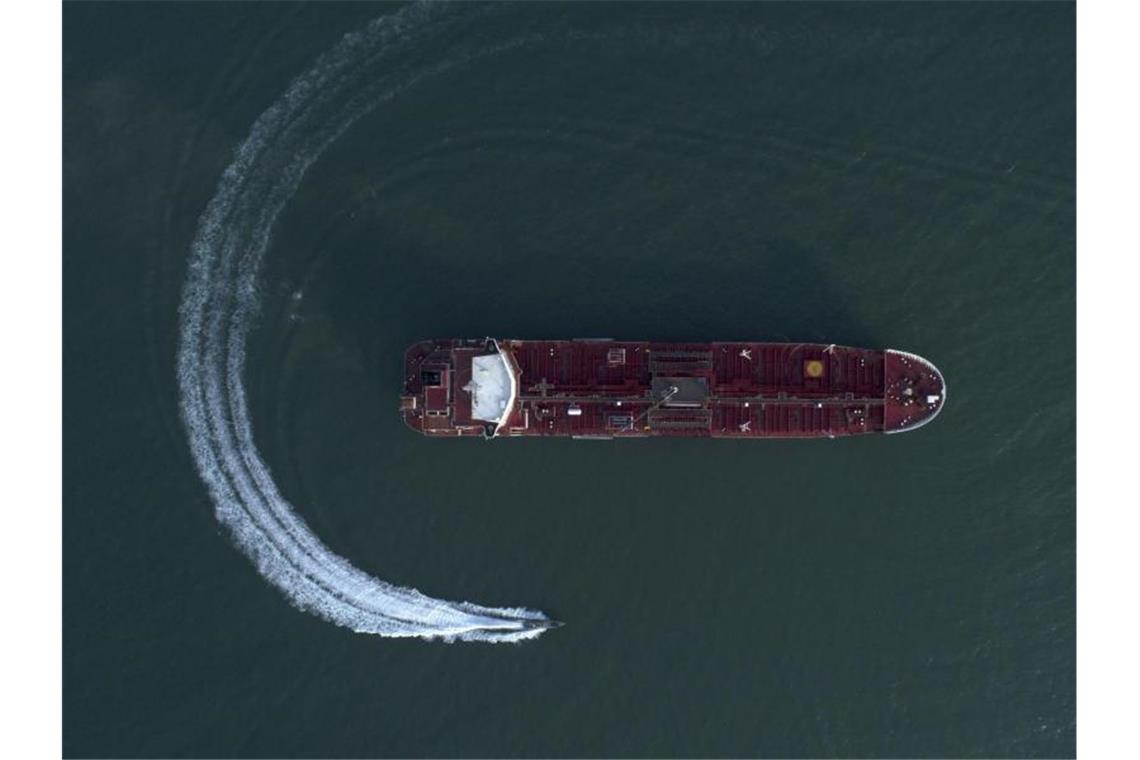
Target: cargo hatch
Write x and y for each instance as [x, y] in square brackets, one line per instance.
[681, 391]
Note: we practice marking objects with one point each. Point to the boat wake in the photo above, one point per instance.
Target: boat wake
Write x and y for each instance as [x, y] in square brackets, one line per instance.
[219, 304]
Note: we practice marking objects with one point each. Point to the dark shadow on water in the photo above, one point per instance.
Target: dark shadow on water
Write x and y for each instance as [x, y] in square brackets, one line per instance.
[778, 291]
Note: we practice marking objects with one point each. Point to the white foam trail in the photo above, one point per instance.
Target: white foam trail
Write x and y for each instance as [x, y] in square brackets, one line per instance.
[220, 302]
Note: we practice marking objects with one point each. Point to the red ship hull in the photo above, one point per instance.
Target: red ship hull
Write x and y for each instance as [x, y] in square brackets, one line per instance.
[623, 389]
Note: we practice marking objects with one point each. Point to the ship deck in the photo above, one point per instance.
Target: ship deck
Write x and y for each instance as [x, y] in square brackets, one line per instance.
[617, 389]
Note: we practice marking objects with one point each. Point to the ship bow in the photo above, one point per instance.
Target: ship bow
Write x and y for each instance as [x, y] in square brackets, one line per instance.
[914, 391]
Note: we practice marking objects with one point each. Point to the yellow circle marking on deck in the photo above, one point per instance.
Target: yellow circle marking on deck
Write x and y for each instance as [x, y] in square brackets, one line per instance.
[813, 368]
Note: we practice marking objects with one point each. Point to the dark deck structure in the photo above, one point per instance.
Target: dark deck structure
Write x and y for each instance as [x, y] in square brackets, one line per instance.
[624, 389]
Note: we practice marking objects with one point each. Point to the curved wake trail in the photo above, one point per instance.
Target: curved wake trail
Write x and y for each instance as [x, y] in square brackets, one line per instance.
[220, 302]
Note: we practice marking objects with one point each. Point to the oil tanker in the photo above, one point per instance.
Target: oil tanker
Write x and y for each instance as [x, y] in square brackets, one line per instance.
[618, 389]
